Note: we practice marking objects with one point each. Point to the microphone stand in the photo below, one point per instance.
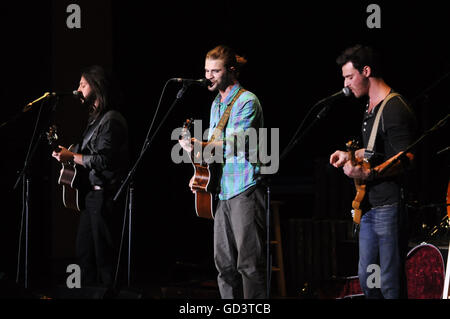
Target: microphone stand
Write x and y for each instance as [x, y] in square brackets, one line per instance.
[266, 182]
[403, 156]
[27, 108]
[318, 117]
[128, 183]
[24, 176]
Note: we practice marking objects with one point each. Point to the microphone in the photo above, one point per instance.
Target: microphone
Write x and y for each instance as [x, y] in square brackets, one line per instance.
[344, 92]
[202, 82]
[48, 95]
[74, 93]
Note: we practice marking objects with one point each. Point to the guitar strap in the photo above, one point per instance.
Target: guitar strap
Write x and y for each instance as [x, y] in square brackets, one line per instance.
[373, 134]
[224, 119]
[89, 135]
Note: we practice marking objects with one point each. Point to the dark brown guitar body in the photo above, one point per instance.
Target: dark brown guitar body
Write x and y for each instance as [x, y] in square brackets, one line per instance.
[204, 187]
[205, 180]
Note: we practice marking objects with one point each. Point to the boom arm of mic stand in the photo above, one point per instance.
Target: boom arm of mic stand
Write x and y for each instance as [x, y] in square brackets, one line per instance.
[319, 116]
[26, 108]
[29, 105]
[399, 158]
[33, 144]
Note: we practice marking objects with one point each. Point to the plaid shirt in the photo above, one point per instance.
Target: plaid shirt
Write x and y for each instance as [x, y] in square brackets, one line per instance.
[240, 169]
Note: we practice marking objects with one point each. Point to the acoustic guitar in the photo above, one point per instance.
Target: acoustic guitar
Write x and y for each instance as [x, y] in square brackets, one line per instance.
[72, 177]
[205, 179]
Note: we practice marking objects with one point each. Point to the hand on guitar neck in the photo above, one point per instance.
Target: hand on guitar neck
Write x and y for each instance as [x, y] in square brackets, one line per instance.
[66, 155]
[62, 154]
[189, 145]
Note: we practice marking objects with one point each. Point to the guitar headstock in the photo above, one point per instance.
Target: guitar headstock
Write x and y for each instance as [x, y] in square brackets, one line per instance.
[52, 137]
[352, 145]
[188, 123]
[185, 132]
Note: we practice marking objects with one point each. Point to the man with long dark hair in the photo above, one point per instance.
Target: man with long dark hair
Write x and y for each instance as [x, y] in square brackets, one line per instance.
[103, 153]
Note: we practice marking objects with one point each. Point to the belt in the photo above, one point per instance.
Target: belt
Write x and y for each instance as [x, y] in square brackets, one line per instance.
[97, 188]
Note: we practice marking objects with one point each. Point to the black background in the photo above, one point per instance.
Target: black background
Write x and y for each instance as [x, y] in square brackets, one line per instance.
[291, 48]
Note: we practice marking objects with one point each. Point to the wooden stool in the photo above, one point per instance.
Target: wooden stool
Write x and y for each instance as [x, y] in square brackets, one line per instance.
[278, 267]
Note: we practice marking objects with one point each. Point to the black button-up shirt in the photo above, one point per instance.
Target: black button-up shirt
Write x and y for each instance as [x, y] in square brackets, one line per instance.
[105, 150]
[396, 132]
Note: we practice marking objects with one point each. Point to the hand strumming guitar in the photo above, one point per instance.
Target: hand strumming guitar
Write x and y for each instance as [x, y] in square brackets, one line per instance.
[356, 171]
[342, 159]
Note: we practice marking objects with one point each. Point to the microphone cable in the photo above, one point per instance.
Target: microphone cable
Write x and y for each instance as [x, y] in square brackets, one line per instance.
[146, 141]
[293, 140]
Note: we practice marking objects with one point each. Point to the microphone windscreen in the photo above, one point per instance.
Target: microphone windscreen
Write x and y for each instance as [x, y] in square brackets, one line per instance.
[78, 94]
[346, 91]
[205, 82]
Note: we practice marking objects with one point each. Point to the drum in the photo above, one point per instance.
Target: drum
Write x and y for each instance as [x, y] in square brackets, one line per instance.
[340, 288]
[448, 200]
[425, 275]
[351, 289]
[425, 272]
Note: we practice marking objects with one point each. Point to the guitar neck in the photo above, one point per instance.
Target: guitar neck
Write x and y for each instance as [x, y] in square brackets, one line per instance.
[54, 146]
[353, 157]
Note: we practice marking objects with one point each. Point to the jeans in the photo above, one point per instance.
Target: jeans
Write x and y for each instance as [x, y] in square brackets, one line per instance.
[379, 253]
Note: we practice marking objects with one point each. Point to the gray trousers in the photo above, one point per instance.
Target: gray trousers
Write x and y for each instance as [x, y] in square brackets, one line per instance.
[240, 245]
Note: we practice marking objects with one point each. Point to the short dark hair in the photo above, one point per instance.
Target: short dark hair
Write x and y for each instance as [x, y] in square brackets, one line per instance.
[362, 56]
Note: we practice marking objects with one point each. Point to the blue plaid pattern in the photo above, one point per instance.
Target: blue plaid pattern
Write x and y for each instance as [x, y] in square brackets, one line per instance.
[239, 169]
